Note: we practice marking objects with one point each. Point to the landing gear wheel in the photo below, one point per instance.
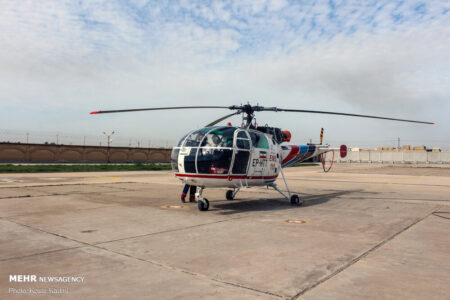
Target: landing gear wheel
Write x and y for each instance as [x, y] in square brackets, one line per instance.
[295, 200]
[229, 195]
[203, 205]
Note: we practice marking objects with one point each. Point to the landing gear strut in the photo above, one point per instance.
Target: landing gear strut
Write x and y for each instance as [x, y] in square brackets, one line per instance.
[295, 199]
[202, 203]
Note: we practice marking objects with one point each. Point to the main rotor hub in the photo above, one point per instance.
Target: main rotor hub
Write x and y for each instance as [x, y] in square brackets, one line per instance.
[249, 111]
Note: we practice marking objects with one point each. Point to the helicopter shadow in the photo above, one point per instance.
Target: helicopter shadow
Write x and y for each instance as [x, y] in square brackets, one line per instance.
[229, 207]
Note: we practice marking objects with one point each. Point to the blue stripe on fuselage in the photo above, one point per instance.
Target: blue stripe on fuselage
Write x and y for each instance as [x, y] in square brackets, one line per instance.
[304, 153]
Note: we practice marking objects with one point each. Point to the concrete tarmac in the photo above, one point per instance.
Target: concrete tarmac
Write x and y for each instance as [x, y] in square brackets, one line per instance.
[364, 232]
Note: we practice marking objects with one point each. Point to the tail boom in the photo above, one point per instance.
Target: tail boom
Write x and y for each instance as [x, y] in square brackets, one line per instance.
[292, 154]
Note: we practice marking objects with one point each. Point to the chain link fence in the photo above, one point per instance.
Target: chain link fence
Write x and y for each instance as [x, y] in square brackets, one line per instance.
[61, 138]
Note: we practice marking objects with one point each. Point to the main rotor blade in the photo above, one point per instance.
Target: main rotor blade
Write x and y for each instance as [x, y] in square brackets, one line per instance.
[154, 108]
[221, 119]
[342, 114]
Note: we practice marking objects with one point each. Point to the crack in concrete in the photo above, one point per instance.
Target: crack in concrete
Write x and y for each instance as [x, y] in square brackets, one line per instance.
[198, 275]
[117, 190]
[40, 253]
[363, 255]
[159, 264]
[61, 184]
[367, 182]
[44, 231]
[247, 288]
[394, 199]
[67, 194]
[48, 211]
[170, 230]
[24, 196]
[47, 232]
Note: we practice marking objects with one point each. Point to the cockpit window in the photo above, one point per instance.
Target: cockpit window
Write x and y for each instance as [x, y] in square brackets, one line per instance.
[211, 140]
[195, 138]
[242, 141]
[220, 137]
[259, 140]
[242, 134]
[242, 144]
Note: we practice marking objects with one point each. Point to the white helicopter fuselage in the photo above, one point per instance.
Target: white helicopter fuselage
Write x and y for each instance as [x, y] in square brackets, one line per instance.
[234, 157]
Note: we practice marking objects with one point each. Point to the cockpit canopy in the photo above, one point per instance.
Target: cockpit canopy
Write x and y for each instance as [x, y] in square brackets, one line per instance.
[211, 150]
[209, 137]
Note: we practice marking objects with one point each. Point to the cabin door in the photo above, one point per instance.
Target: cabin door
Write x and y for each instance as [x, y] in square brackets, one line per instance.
[241, 153]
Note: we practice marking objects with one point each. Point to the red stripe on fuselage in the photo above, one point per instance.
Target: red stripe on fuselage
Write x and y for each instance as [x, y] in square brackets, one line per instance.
[226, 176]
[294, 151]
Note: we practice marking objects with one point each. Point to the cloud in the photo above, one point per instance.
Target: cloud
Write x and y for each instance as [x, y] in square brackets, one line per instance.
[383, 57]
[401, 70]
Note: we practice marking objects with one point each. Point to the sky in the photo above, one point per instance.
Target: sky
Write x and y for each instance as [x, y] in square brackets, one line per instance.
[59, 60]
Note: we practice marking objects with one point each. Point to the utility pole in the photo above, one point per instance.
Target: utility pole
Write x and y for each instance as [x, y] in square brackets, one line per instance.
[28, 149]
[109, 140]
[57, 139]
[398, 144]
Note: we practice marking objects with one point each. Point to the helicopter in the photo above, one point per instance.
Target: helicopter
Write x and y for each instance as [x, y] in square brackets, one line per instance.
[245, 156]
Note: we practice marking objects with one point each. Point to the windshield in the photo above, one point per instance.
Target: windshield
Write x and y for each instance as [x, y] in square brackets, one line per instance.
[195, 138]
[207, 150]
[220, 137]
[210, 137]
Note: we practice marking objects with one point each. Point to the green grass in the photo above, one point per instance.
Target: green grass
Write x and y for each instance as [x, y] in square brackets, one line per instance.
[81, 168]
[304, 164]
[97, 168]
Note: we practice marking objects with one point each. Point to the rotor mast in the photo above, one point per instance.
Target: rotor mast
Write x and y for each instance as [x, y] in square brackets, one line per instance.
[248, 112]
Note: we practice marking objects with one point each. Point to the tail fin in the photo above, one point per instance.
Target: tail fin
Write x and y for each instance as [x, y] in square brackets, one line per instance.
[321, 136]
